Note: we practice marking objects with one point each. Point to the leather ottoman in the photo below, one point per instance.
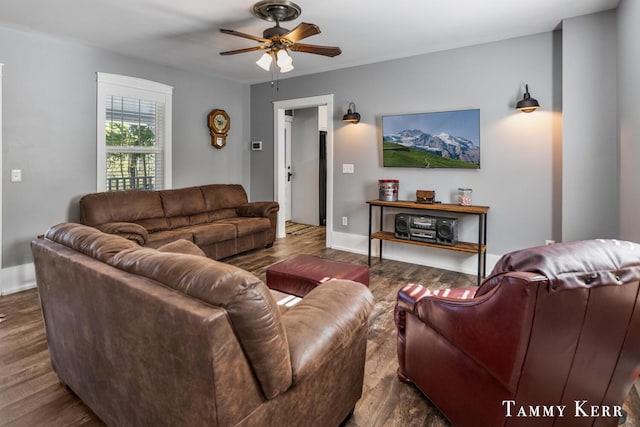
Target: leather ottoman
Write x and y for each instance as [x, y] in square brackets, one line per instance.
[300, 274]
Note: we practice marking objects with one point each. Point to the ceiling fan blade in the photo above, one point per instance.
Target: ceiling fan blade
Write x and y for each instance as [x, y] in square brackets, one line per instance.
[244, 35]
[318, 50]
[302, 31]
[247, 49]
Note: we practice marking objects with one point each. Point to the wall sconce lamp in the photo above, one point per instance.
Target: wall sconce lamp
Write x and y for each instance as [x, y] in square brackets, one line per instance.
[352, 116]
[527, 104]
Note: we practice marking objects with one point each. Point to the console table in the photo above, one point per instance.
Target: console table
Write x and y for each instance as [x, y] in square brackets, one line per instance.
[479, 248]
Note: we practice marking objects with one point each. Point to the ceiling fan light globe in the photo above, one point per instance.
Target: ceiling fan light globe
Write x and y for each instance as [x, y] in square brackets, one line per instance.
[284, 58]
[286, 68]
[265, 61]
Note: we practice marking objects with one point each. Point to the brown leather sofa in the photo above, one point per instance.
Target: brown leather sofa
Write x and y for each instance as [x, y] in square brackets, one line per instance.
[217, 217]
[551, 337]
[159, 337]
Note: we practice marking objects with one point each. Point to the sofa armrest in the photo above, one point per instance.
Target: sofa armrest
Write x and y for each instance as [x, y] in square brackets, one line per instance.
[128, 230]
[327, 319]
[182, 246]
[257, 209]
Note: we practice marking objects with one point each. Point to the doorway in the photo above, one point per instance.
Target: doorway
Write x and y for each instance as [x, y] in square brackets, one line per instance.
[280, 171]
[305, 163]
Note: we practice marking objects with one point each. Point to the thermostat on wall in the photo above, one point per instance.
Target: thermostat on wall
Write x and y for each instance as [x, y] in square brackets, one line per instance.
[256, 145]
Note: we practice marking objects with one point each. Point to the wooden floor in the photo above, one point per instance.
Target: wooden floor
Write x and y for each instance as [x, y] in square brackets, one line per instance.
[30, 394]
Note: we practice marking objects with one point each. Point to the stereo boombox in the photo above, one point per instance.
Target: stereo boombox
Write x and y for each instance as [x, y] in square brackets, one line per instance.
[428, 229]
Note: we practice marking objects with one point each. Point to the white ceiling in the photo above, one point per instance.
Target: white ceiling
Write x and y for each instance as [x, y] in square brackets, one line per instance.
[185, 33]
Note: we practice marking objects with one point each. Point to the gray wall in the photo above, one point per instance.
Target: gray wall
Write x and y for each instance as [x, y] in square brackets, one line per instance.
[590, 158]
[304, 161]
[629, 118]
[50, 130]
[515, 178]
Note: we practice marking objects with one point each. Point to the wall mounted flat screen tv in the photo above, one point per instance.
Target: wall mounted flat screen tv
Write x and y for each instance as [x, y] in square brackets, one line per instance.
[448, 139]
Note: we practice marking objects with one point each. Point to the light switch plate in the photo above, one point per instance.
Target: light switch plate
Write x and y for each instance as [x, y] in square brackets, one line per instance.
[347, 168]
[16, 175]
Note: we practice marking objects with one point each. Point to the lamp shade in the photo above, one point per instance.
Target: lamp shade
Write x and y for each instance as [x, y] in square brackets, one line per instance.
[283, 58]
[527, 104]
[265, 61]
[352, 116]
[286, 68]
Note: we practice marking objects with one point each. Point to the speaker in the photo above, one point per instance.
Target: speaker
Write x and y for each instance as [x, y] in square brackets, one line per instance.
[447, 231]
[403, 222]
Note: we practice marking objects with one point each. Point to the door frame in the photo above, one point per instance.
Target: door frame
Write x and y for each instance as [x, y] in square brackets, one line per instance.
[2, 290]
[279, 175]
[288, 125]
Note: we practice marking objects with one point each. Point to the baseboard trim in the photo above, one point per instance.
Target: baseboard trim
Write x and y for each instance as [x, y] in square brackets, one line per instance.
[17, 278]
[430, 257]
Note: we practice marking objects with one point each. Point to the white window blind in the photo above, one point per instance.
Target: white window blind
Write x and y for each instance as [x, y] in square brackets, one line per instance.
[134, 134]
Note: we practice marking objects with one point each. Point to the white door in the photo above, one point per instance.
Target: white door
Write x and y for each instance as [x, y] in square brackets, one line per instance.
[288, 173]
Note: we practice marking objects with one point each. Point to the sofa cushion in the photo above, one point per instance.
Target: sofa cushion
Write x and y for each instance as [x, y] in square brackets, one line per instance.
[223, 196]
[167, 236]
[247, 226]
[207, 234]
[187, 220]
[120, 206]
[182, 246]
[222, 214]
[182, 201]
[89, 241]
[252, 310]
[154, 224]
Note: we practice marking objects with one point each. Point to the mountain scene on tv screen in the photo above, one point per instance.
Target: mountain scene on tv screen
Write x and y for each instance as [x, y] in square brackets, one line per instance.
[415, 148]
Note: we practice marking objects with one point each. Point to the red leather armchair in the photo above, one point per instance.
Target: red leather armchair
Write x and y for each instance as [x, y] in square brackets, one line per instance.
[551, 337]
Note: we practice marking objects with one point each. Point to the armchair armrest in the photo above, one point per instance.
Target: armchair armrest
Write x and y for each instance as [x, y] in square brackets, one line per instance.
[412, 293]
[128, 230]
[257, 209]
[326, 320]
[491, 328]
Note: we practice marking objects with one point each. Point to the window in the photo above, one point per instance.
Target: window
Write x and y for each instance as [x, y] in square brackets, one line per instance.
[134, 134]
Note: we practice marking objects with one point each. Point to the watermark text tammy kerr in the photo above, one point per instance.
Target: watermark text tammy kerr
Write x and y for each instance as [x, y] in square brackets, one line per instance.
[580, 408]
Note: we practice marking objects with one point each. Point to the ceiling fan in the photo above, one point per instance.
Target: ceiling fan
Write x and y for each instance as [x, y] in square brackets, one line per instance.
[277, 41]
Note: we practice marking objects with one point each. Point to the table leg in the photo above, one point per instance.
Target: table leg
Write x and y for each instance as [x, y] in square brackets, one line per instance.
[484, 241]
[381, 226]
[482, 255]
[370, 209]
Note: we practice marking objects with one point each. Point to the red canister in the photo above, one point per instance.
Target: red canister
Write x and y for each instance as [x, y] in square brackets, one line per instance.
[388, 190]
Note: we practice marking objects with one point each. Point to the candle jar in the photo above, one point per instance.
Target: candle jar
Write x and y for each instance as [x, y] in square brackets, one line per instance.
[464, 196]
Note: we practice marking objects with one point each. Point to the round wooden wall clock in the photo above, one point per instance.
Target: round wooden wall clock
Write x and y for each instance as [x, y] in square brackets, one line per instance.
[219, 125]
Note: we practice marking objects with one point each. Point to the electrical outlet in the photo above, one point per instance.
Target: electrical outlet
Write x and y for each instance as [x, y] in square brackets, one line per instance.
[345, 220]
[348, 168]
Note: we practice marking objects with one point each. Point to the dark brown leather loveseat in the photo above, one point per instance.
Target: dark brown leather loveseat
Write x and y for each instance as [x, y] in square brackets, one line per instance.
[168, 337]
[216, 217]
[551, 338]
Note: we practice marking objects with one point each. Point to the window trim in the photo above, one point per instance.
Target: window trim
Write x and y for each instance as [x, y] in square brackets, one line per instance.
[131, 87]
